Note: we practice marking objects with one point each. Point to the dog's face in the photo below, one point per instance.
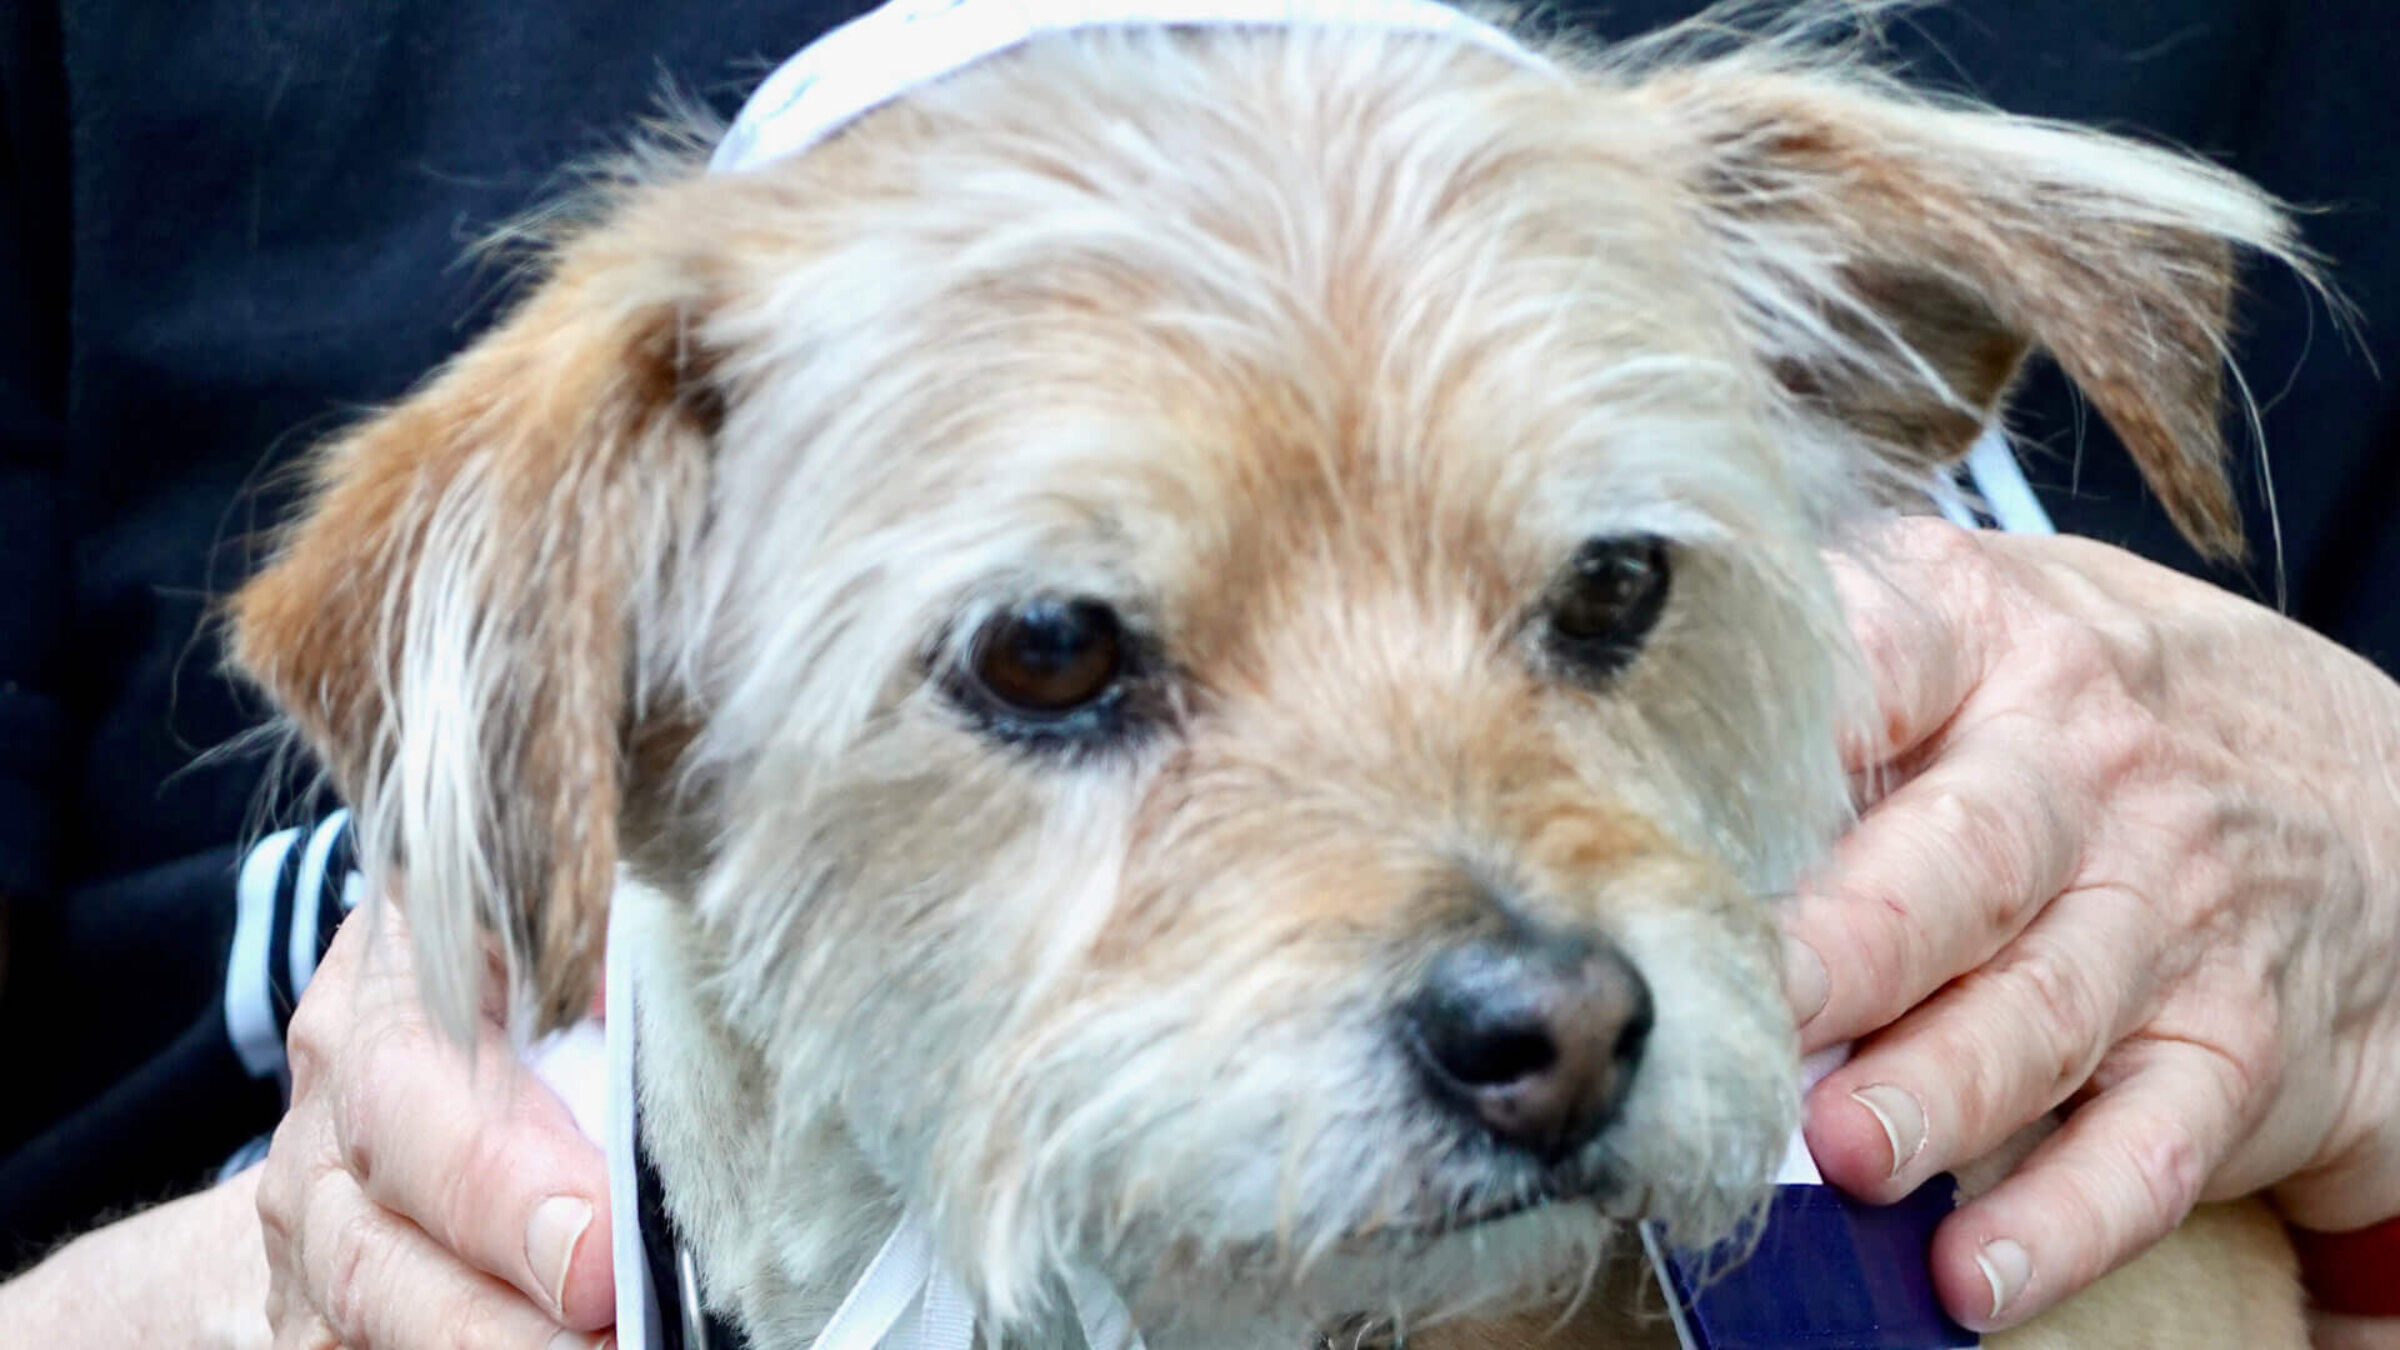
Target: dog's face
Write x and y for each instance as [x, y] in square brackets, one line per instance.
[1222, 637]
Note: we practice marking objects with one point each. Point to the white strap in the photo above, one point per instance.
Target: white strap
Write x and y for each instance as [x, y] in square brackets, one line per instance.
[892, 1282]
[1107, 1325]
[638, 1312]
[945, 1316]
[908, 1300]
[907, 44]
[2000, 481]
[1656, 1250]
[308, 900]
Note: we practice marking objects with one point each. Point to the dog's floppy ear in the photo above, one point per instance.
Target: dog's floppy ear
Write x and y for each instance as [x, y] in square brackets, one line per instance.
[450, 623]
[1900, 260]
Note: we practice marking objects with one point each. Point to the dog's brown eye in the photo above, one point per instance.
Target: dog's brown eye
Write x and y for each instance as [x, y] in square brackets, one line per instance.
[1609, 601]
[1051, 657]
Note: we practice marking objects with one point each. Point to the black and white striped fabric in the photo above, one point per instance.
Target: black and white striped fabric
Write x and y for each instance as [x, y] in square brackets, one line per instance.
[293, 891]
[294, 888]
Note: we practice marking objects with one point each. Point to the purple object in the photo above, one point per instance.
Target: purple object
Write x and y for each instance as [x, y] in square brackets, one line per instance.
[1828, 1273]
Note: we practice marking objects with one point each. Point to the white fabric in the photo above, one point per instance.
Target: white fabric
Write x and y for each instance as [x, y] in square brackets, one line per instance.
[574, 1062]
[1952, 501]
[638, 1309]
[1799, 1168]
[906, 44]
[591, 1070]
[943, 1316]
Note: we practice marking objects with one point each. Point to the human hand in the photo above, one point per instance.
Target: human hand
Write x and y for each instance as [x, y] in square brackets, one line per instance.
[187, 1273]
[414, 1197]
[2138, 853]
[2333, 1332]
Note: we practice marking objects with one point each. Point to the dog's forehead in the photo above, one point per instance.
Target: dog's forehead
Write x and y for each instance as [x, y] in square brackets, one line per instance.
[1229, 300]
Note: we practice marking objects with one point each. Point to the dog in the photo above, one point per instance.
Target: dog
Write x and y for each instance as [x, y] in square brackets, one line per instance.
[1196, 652]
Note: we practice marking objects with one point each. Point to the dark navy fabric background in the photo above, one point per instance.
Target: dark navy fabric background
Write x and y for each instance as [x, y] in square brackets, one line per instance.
[224, 227]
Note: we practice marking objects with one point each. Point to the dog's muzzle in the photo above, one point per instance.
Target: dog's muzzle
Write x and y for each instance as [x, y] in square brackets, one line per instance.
[1534, 1037]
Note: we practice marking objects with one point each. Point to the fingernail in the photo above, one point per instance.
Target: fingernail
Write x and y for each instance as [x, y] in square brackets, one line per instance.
[576, 1340]
[1804, 983]
[1903, 1121]
[551, 1237]
[2007, 1269]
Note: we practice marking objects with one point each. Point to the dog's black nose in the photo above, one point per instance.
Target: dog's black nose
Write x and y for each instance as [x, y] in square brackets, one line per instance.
[1535, 1036]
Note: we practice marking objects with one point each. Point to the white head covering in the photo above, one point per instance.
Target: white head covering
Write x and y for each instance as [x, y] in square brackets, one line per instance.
[907, 44]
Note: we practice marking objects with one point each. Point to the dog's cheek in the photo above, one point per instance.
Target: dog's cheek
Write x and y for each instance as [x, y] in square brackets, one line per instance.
[889, 905]
[989, 1068]
[1725, 735]
[1212, 1096]
[1716, 1101]
[1216, 1076]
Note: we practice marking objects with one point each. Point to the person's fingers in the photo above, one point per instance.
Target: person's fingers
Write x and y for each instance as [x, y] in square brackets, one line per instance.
[2333, 1331]
[2121, 1173]
[382, 1284]
[303, 1331]
[291, 1315]
[1915, 604]
[2006, 1043]
[1934, 880]
[484, 1157]
[300, 1152]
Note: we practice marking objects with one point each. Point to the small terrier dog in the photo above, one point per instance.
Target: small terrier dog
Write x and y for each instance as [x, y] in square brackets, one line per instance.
[1195, 652]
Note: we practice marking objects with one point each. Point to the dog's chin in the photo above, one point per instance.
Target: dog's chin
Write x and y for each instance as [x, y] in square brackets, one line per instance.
[1492, 1255]
[1595, 1187]
[1524, 1237]
[1491, 1261]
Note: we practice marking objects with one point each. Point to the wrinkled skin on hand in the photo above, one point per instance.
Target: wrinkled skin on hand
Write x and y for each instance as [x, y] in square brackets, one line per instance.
[2134, 849]
[419, 1194]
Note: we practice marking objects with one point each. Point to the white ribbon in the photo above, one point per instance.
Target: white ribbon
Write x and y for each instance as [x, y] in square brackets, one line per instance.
[907, 44]
[639, 1324]
[2000, 481]
[906, 1273]
[2000, 485]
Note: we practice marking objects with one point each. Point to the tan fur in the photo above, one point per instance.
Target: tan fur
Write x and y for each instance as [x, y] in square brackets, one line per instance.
[1316, 354]
[531, 456]
[1976, 259]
